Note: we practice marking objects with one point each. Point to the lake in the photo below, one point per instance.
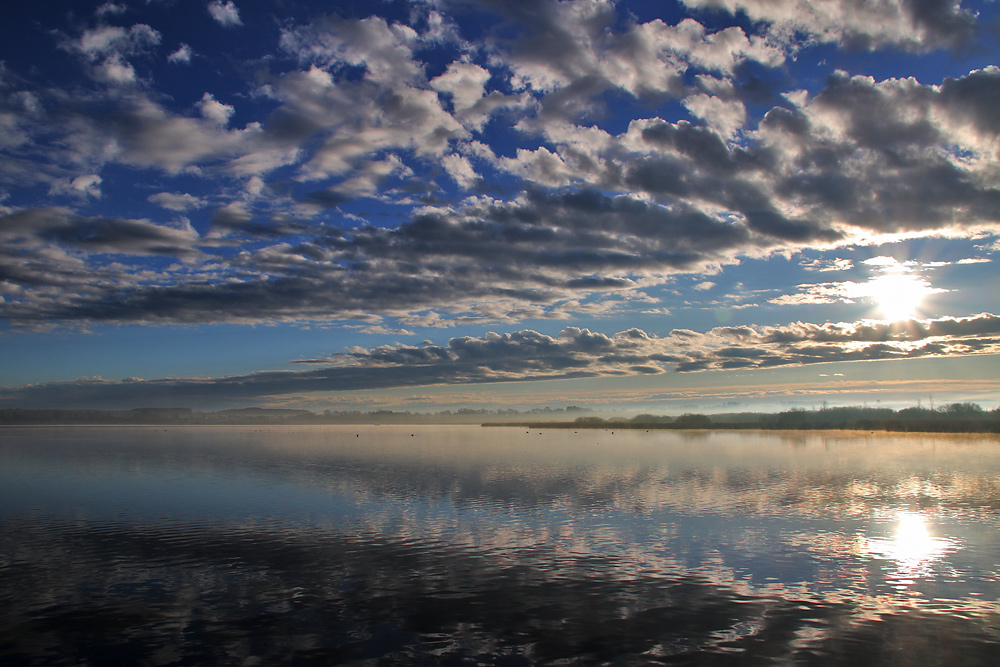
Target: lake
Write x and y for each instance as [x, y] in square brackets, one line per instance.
[461, 545]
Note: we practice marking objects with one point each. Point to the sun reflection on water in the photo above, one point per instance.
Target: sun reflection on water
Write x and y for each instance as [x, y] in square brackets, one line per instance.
[912, 548]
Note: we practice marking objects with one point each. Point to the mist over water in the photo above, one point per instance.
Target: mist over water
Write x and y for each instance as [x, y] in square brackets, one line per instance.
[466, 545]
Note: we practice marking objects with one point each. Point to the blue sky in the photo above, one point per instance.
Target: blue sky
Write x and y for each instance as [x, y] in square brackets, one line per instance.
[704, 204]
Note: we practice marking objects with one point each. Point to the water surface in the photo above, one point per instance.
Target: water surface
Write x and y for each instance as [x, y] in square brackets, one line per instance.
[496, 546]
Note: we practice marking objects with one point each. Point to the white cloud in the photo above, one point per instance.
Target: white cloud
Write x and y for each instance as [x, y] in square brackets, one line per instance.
[836, 264]
[226, 15]
[724, 116]
[892, 291]
[115, 71]
[886, 263]
[177, 201]
[215, 111]
[108, 40]
[465, 82]
[111, 8]
[182, 56]
[818, 293]
[86, 185]
[392, 107]
[720, 51]
[384, 49]
[460, 169]
[857, 23]
[106, 49]
[154, 137]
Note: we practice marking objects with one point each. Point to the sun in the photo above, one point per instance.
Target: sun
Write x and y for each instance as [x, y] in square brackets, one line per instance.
[898, 296]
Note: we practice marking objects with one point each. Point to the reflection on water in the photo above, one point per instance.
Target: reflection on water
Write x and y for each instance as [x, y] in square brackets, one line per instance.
[914, 552]
[462, 545]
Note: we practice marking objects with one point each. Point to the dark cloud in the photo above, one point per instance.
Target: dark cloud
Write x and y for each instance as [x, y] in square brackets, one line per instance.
[944, 21]
[890, 162]
[326, 198]
[83, 258]
[539, 249]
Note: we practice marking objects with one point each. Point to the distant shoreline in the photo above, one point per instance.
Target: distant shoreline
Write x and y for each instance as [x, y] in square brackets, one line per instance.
[953, 418]
[986, 428]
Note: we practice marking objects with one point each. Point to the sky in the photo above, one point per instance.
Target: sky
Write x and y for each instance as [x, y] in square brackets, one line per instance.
[701, 205]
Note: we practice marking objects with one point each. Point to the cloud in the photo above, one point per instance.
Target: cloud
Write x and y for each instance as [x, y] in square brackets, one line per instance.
[909, 156]
[111, 8]
[182, 56]
[36, 227]
[177, 201]
[51, 257]
[383, 49]
[226, 15]
[465, 83]
[570, 54]
[585, 211]
[529, 355]
[143, 133]
[859, 161]
[724, 116]
[215, 111]
[392, 107]
[83, 186]
[108, 40]
[105, 51]
[893, 290]
[917, 25]
[836, 264]
[486, 256]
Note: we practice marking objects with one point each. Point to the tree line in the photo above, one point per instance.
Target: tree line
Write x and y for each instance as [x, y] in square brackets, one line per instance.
[951, 418]
[264, 416]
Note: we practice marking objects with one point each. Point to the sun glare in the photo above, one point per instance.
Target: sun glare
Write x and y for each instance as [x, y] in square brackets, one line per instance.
[898, 296]
[913, 543]
[912, 547]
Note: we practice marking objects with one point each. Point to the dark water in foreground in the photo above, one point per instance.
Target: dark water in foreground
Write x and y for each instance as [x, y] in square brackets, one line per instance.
[493, 546]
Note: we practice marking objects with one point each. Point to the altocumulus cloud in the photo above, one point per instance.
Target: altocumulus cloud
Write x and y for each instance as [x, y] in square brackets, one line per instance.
[529, 355]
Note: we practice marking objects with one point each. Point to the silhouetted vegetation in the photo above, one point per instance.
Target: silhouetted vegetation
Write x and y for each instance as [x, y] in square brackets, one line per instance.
[953, 418]
[267, 416]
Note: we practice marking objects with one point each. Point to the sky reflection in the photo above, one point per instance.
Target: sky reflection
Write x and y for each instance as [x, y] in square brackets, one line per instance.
[654, 546]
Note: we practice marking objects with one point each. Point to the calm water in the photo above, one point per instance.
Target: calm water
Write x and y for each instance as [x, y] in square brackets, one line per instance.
[496, 546]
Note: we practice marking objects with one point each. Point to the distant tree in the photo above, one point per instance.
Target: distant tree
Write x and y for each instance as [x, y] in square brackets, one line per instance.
[690, 420]
[588, 420]
[651, 419]
[963, 409]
